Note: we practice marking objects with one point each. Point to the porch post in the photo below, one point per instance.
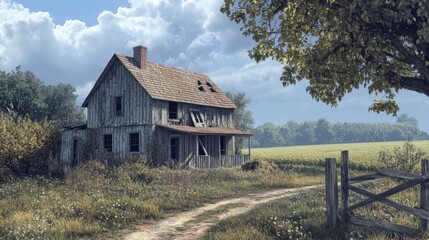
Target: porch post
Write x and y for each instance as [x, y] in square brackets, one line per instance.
[249, 144]
[219, 155]
[233, 145]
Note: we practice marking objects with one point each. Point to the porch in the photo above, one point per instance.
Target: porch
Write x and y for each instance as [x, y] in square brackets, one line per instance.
[223, 161]
[207, 147]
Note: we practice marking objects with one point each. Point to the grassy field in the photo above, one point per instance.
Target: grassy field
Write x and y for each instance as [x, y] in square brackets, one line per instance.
[362, 155]
[303, 216]
[94, 199]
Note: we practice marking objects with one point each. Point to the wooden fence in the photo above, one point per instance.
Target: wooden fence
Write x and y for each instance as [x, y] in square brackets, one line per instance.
[223, 161]
[344, 214]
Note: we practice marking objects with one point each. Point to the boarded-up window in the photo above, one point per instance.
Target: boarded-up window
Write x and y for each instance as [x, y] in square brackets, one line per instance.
[197, 118]
[134, 142]
[108, 143]
[119, 108]
[172, 110]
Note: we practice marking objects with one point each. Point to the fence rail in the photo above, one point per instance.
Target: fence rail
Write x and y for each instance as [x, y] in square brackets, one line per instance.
[410, 180]
[223, 161]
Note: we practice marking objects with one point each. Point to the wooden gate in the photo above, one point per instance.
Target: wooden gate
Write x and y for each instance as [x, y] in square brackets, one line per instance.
[410, 180]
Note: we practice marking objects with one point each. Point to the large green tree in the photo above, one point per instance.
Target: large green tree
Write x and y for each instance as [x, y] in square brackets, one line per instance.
[23, 94]
[340, 45]
[242, 117]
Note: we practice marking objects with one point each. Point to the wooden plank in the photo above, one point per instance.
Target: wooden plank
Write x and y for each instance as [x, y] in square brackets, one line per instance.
[424, 196]
[390, 192]
[385, 226]
[397, 174]
[331, 186]
[344, 185]
[367, 177]
[415, 211]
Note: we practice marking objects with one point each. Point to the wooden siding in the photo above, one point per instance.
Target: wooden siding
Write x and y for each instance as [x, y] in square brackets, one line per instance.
[136, 101]
[213, 117]
[67, 139]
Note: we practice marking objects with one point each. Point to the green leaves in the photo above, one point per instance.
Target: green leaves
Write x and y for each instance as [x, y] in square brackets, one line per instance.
[341, 45]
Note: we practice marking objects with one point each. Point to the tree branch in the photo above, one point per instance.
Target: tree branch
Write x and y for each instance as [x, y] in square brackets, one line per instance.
[412, 83]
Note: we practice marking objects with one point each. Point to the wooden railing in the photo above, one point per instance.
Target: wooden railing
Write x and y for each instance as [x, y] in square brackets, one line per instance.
[223, 161]
[409, 180]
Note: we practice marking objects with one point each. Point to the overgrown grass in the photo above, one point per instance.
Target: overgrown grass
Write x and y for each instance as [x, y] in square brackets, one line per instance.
[94, 199]
[362, 155]
[304, 217]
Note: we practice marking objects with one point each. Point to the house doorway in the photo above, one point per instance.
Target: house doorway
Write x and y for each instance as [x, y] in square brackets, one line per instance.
[174, 148]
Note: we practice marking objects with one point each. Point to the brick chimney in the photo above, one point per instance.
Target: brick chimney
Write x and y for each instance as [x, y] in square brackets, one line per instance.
[140, 56]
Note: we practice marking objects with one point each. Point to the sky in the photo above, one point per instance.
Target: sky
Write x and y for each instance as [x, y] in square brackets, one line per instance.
[72, 41]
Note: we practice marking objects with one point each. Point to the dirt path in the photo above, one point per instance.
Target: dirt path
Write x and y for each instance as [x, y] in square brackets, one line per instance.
[194, 223]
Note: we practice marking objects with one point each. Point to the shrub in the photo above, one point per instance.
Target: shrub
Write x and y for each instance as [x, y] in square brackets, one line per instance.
[259, 165]
[28, 147]
[407, 158]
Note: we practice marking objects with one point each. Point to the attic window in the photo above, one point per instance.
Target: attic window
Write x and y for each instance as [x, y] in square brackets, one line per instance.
[197, 118]
[119, 106]
[172, 110]
[199, 83]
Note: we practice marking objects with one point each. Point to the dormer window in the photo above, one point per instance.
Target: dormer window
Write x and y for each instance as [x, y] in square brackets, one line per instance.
[172, 110]
[119, 108]
[197, 118]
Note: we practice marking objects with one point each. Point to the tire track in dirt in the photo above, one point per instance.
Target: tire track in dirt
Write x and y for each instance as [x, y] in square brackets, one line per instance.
[194, 223]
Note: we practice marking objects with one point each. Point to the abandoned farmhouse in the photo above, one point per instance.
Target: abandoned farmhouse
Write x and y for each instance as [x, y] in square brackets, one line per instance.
[136, 105]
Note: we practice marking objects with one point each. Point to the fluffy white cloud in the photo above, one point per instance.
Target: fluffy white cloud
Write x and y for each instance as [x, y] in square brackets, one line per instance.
[189, 34]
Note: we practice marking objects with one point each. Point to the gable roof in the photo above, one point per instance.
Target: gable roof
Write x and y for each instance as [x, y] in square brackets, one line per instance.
[171, 84]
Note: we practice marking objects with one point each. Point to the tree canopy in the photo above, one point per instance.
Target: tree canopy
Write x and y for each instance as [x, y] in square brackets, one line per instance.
[325, 132]
[340, 45]
[22, 94]
[242, 117]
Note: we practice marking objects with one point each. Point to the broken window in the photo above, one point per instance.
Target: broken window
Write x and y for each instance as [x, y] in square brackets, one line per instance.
[197, 118]
[134, 142]
[108, 143]
[172, 110]
[201, 148]
[118, 106]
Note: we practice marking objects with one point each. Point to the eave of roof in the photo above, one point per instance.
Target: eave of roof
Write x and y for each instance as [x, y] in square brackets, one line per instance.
[206, 130]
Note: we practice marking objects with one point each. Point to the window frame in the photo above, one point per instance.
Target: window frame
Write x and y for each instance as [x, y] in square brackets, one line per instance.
[173, 106]
[108, 148]
[118, 112]
[197, 118]
[131, 144]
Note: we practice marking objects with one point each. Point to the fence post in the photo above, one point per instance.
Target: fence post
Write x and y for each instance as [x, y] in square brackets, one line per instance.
[424, 195]
[331, 191]
[344, 186]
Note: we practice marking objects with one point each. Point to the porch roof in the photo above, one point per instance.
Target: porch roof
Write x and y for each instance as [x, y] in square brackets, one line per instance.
[206, 130]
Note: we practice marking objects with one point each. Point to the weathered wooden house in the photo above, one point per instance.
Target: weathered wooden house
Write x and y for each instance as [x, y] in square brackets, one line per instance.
[136, 105]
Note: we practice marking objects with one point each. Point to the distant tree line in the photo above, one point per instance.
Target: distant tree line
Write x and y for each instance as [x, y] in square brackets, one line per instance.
[22, 94]
[325, 132]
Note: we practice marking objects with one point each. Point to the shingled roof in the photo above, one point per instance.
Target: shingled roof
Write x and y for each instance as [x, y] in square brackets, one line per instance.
[172, 84]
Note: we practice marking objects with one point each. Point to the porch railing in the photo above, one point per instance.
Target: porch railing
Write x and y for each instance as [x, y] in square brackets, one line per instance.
[223, 161]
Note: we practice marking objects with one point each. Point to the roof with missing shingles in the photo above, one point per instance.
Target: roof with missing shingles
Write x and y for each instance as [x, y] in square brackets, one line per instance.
[172, 84]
